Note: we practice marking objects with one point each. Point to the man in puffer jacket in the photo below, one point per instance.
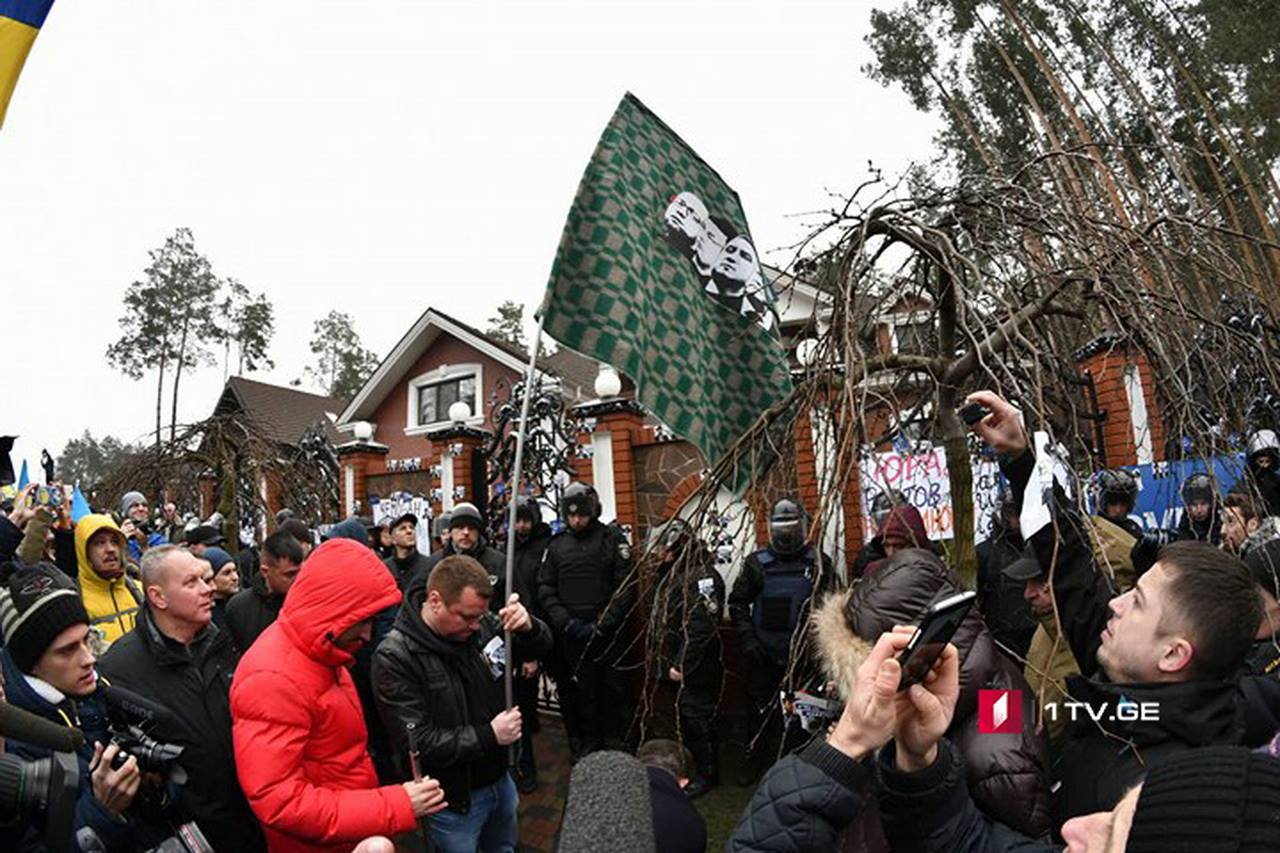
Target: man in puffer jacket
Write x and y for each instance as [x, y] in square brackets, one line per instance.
[1007, 773]
[110, 595]
[300, 738]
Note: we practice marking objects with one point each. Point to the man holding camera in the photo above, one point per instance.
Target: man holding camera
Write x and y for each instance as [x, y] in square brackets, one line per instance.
[135, 523]
[177, 658]
[49, 671]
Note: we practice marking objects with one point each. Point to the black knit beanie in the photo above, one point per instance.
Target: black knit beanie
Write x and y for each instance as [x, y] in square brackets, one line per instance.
[37, 603]
[1211, 800]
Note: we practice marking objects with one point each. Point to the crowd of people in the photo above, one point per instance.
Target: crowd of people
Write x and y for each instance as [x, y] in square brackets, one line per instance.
[350, 693]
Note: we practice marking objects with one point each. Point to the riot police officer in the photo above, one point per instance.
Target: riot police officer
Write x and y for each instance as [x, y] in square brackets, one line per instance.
[580, 590]
[688, 605]
[770, 599]
[1201, 514]
[532, 537]
[1117, 494]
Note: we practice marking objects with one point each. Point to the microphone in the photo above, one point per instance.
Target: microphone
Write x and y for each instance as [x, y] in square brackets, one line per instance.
[20, 725]
[608, 807]
[137, 708]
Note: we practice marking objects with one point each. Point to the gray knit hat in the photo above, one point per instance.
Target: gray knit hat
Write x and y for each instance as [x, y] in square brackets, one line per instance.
[37, 603]
[130, 498]
[1210, 800]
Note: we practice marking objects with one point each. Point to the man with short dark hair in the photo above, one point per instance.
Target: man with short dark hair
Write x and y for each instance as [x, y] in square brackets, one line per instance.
[178, 658]
[675, 820]
[440, 671]
[300, 532]
[1242, 515]
[405, 560]
[1175, 642]
[252, 609]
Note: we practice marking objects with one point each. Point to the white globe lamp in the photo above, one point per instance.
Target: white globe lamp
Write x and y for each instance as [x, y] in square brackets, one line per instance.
[459, 412]
[608, 382]
[362, 430]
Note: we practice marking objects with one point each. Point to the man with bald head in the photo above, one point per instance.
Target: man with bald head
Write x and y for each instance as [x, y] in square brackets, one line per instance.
[178, 658]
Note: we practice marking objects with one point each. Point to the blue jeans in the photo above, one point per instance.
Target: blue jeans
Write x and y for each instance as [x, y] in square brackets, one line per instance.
[490, 825]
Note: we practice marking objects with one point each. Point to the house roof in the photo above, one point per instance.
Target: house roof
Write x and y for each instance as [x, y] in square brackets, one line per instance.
[576, 372]
[283, 414]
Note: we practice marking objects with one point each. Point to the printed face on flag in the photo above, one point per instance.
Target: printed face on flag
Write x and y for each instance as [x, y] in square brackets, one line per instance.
[632, 285]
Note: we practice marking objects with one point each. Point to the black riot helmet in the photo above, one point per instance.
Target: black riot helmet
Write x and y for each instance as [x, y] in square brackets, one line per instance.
[1198, 487]
[788, 527]
[579, 499]
[1116, 486]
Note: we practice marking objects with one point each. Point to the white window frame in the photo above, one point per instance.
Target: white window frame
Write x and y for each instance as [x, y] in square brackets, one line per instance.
[906, 318]
[442, 374]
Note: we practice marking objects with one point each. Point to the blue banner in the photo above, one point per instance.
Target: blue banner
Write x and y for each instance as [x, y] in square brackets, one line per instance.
[1159, 502]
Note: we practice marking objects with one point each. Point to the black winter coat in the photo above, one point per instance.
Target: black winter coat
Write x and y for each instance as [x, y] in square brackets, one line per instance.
[675, 819]
[1001, 600]
[803, 803]
[407, 569]
[580, 573]
[450, 692]
[1260, 691]
[194, 683]
[1007, 773]
[931, 811]
[493, 561]
[688, 614]
[1094, 769]
[250, 612]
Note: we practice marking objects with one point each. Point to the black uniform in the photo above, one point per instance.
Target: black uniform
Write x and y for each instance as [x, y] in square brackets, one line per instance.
[581, 571]
[689, 601]
[770, 598]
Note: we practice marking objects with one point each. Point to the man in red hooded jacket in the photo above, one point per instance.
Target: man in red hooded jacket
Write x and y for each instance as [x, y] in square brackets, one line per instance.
[299, 732]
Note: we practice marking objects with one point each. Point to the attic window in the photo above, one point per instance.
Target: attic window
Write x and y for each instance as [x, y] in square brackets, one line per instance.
[914, 334]
[435, 399]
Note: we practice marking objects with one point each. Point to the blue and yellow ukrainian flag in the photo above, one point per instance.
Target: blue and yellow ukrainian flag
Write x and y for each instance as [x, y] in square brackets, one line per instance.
[20, 20]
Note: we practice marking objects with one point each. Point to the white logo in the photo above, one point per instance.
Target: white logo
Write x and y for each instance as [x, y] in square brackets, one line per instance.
[1000, 711]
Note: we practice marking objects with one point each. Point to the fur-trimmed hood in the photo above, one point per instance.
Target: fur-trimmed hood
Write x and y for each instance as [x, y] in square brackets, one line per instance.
[1007, 773]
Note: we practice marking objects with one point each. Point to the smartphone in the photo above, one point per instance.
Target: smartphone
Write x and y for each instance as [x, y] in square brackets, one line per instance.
[934, 632]
[972, 413]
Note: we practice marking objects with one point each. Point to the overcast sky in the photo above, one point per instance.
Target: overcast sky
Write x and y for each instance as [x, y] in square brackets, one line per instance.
[379, 158]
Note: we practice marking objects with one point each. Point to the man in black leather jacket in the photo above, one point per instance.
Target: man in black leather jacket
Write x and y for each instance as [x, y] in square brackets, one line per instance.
[440, 669]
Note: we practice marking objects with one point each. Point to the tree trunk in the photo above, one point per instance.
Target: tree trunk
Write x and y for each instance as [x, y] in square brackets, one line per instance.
[177, 376]
[961, 553]
[160, 397]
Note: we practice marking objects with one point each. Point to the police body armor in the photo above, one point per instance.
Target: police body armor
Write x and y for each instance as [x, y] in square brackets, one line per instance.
[788, 585]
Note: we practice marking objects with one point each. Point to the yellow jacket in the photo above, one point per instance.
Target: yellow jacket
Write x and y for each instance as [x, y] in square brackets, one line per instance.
[1048, 664]
[112, 604]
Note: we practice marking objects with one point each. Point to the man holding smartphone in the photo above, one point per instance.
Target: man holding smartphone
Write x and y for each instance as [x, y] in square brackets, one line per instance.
[1176, 640]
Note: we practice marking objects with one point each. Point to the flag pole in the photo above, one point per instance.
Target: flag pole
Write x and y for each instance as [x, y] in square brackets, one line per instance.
[513, 490]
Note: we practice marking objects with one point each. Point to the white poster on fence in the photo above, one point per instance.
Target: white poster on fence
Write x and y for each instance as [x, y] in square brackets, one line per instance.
[922, 478]
[396, 504]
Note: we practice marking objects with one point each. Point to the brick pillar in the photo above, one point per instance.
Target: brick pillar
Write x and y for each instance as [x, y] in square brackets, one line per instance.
[1117, 370]
[459, 446]
[208, 493]
[356, 461]
[806, 465]
[611, 466]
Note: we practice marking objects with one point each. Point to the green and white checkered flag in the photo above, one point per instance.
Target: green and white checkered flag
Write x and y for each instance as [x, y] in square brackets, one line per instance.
[656, 274]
